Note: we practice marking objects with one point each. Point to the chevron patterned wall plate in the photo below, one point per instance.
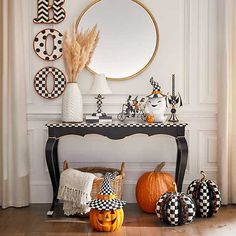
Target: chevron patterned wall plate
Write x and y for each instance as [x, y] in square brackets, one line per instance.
[43, 9]
[40, 44]
[40, 82]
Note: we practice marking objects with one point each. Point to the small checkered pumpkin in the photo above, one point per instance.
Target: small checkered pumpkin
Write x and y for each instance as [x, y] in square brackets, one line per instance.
[206, 196]
[175, 208]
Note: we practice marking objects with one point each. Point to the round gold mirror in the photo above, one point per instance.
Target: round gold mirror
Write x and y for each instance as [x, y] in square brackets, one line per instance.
[128, 37]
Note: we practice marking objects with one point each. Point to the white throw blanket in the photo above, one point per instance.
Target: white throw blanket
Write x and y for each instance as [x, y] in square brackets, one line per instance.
[75, 188]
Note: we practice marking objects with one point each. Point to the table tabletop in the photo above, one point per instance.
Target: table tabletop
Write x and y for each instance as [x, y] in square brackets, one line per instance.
[59, 124]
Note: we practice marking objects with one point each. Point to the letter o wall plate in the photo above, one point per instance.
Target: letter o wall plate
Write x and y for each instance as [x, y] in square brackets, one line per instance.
[59, 83]
[40, 44]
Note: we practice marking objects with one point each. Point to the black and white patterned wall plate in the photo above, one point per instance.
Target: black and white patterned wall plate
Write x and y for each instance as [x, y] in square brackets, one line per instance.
[40, 44]
[43, 9]
[40, 82]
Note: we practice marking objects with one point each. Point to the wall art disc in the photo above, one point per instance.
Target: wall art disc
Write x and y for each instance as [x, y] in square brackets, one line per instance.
[43, 9]
[59, 82]
[40, 44]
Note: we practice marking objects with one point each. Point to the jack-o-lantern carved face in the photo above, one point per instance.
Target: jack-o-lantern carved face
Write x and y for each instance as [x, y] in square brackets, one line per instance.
[106, 220]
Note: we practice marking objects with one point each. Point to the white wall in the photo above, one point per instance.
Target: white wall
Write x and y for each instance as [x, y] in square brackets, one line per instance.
[188, 48]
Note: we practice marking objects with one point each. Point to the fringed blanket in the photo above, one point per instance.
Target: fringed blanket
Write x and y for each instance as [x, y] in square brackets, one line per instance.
[75, 188]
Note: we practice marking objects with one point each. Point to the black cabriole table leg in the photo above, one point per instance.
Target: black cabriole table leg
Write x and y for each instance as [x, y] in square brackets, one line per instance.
[181, 162]
[113, 131]
[53, 168]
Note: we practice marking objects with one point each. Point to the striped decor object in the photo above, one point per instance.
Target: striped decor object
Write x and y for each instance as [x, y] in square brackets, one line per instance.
[43, 12]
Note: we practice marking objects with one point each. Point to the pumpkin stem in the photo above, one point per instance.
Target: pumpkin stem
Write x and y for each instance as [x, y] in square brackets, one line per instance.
[203, 176]
[159, 167]
[65, 165]
[175, 186]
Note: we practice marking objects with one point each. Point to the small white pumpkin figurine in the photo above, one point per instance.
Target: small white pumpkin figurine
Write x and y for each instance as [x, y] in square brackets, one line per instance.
[156, 103]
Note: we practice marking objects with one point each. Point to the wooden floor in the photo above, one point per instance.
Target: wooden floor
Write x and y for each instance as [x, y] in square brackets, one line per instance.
[32, 221]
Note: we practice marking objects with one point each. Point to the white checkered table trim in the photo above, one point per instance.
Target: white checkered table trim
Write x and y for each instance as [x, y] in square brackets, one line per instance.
[119, 125]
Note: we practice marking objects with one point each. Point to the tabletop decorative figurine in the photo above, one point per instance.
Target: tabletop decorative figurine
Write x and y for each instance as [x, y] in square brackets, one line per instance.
[132, 108]
[174, 101]
[156, 104]
[106, 210]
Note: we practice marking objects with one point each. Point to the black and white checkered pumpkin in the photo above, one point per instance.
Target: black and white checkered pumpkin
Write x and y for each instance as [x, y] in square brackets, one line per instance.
[206, 196]
[175, 208]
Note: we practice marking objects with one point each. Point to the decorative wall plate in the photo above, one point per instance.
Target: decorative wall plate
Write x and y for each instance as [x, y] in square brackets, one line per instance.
[40, 44]
[40, 82]
[43, 9]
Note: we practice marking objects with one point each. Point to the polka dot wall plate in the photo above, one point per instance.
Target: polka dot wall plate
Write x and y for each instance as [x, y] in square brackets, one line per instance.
[40, 44]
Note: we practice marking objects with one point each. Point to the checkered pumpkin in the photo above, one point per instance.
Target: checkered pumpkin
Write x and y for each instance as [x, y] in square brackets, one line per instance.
[175, 208]
[206, 196]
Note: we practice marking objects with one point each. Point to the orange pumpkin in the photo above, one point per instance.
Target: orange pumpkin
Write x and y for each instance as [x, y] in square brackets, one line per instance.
[106, 220]
[151, 185]
[150, 118]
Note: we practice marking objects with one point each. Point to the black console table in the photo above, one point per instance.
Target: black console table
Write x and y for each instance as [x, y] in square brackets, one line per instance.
[113, 131]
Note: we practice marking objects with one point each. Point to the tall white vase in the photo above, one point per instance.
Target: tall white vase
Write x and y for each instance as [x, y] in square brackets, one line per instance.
[72, 105]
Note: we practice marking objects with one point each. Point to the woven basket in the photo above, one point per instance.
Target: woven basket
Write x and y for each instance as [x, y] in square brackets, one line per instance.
[117, 183]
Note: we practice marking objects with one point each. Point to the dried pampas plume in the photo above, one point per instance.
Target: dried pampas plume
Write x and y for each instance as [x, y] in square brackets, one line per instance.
[78, 48]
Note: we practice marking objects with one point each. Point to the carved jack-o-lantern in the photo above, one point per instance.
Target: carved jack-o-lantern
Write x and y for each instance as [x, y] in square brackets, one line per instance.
[106, 220]
[106, 210]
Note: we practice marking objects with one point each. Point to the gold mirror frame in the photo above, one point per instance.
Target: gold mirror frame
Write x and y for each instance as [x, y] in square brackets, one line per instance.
[155, 50]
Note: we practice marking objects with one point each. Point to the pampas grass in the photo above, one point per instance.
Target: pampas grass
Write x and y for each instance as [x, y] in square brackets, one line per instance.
[78, 48]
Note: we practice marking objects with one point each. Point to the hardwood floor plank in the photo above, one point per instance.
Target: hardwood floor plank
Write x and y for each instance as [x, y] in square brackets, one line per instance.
[120, 232]
[10, 234]
[67, 234]
[132, 230]
[32, 221]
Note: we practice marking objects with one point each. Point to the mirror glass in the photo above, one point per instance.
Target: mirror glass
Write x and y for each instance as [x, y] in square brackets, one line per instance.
[128, 37]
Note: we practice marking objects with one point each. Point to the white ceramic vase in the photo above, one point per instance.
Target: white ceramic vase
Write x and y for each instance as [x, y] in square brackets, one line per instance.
[72, 105]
